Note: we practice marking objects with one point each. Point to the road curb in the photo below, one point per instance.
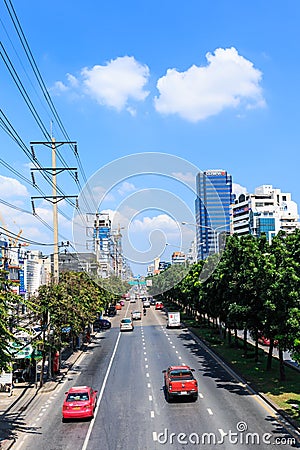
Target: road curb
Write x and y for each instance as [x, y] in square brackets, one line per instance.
[290, 422]
[46, 388]
[8, 443]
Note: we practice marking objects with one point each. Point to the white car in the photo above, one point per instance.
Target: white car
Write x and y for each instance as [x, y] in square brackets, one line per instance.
[136, 315]
[126, 324]
[146, 303]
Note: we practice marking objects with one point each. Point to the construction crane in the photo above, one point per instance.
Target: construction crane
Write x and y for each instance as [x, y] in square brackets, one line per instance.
[13, 240]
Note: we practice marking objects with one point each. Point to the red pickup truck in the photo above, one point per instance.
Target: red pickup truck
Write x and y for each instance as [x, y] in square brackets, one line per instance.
[180, 381]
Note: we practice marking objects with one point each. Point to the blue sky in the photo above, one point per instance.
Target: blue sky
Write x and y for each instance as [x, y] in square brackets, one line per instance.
[212, 82]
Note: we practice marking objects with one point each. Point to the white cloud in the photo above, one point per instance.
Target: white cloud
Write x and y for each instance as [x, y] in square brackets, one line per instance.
[59, 87]
[160, 222]
[117, 82]
[100, 195]
[126, 187]
[10, 188]
[227, 81]
[237, 189]
[188, 177]
[73, 81]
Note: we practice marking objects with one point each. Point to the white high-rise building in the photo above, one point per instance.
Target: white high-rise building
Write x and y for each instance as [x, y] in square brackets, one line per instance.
[267, 211]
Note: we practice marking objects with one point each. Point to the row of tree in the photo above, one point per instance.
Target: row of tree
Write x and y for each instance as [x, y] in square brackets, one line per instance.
[254, 286]
[64, 310]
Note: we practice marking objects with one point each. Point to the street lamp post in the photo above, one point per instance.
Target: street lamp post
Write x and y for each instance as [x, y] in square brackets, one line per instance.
[214, 230]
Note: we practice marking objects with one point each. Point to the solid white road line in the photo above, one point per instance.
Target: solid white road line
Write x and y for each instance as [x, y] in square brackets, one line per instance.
[85, 444]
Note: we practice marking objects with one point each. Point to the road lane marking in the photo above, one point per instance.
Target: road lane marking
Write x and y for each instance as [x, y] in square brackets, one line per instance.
[147, 375]
[154, 435]
[152, 414]
[86, 441]
[150, 398]
[200, 395]
[146, 359]
[149, 385]
[210, 411]
[146, 366]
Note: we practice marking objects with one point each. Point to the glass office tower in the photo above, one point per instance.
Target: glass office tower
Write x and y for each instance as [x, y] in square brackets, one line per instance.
[212, 207]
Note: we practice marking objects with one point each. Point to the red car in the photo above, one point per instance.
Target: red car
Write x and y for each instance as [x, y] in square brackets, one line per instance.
[180, 381]
[80, 402]
[159, 305]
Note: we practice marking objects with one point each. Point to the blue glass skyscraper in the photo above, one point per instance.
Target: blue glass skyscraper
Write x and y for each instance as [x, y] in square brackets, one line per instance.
[212, 207]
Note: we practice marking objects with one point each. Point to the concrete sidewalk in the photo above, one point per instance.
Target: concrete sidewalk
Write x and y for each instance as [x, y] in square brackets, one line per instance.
[13, 405]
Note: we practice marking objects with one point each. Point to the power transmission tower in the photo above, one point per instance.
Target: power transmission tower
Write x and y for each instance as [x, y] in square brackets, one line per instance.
[54, 198]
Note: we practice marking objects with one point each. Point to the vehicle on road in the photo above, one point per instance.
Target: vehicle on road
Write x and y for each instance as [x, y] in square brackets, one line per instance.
[122, 303]
[111, 312]
[152, 301]
[132, 300]
[179, 381]
[159, 305]
[101, 324]
[80, 402]
[118, 306]
[126, 324]
[265, 341]
[173, 320]
[146, 303]
[136, 315]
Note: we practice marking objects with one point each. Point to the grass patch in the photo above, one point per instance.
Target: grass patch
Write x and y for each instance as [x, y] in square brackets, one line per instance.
[286, 395]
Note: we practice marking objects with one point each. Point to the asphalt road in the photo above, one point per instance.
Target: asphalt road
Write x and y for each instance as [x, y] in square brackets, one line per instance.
[132, 413]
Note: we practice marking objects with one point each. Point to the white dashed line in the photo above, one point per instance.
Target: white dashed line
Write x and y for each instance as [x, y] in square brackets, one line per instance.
[146, 359]
[149, 385]
[146, 366]
[176, 351]
[145, 353]
[150, 398]
[179, 357]
[152, 414]
[147, 375]
[173, 346]
[209, 411]
[154, 435]
[200, 395]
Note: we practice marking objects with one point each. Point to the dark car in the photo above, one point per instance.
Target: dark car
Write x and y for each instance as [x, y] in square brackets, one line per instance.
[111, 312]
[101, 324]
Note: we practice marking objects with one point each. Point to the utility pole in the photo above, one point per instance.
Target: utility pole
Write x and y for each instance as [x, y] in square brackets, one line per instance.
[54, 198]
[55, 216]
